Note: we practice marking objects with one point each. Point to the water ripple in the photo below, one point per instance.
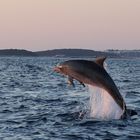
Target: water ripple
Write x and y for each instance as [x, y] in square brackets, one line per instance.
[37, 103]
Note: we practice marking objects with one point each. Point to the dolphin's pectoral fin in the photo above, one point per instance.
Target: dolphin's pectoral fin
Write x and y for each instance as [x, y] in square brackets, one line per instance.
[70, 81]
[100, 61]
[82, 84]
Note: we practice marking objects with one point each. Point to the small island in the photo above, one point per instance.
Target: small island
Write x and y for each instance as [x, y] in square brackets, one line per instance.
[71, 53]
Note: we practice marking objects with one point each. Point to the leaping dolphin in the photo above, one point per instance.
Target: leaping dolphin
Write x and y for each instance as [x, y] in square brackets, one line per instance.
[94, 74]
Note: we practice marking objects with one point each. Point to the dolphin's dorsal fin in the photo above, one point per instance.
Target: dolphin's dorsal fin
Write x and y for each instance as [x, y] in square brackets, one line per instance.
[100, 61]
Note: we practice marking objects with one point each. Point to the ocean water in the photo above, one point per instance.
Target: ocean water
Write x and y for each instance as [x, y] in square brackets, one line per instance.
[37, 104]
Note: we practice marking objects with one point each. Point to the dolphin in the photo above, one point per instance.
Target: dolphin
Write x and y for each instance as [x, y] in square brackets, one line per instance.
[94, 74]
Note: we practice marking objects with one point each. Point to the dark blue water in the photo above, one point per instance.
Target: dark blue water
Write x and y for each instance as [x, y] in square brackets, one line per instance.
[37, 103]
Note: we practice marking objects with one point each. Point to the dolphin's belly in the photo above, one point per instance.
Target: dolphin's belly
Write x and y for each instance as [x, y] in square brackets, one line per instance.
[102, 105]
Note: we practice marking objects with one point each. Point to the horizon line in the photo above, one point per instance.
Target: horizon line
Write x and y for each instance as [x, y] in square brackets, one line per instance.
[111, 49]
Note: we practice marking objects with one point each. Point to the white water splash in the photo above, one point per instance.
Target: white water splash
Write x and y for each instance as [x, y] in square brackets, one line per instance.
[102, 105]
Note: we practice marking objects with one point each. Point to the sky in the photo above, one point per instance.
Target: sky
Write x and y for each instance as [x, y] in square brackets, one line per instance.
[52, 24]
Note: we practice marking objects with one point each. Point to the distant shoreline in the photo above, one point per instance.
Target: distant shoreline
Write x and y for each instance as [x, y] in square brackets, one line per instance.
[71, 53]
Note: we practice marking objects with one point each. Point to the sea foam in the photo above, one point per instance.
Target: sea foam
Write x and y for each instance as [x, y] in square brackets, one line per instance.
[102, 105]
